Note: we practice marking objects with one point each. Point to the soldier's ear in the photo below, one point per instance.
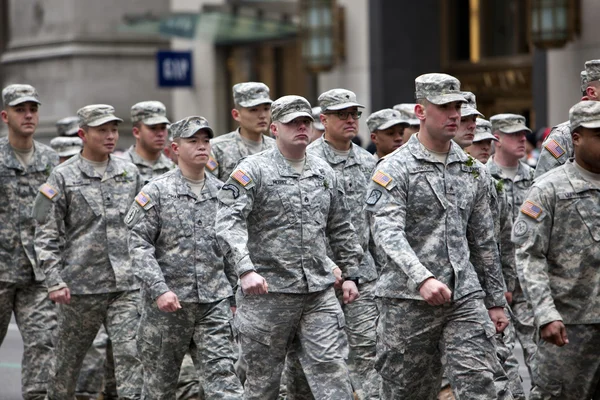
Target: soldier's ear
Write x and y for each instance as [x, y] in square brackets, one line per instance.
[175, 147]
[4, 116]
[235, 113]
[420, 111]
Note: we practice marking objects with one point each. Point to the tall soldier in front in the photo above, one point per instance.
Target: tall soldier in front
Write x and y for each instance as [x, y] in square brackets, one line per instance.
[277, 213]
[83, 206]
[428, 210]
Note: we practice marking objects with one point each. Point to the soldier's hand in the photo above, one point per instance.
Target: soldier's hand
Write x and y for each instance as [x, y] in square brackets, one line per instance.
[435, 292]
[508, 296]
[253, 283]
[337, 272]
[61, 296]
[168, 302]
[350, 291]
[556, 333]
[498, 317]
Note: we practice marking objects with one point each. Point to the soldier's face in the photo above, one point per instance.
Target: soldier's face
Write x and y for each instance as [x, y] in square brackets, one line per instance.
[151, 137]
[253, 119]
[193, 151]
[512, 144]
[466, 131]
[294, 134]
[586, 142]
[481, 150]
[441, 121]
[340, 129]
[388, 140]
[100, 141]
[21, 119]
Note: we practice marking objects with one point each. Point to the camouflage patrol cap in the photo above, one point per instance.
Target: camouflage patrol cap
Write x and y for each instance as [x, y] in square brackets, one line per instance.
[316, 113]
[68, 126]
[583, 78]
[586, 114]
[287, 108]
[66, 146]
[483, 131]
[407, 110]
[384, 119]
[96, 115]
[187, 127]
[509, 123]
[149, 113]
[13, 95]
[251, 94]
[438, 89]
[337, 99]
[470, 107]
[592, 68]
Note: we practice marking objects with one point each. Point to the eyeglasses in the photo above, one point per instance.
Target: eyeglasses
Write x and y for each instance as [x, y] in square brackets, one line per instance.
[343, 115]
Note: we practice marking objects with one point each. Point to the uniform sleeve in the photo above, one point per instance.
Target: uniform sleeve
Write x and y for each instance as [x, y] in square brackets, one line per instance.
[507, 247]
[144, 228]
[552, 156]
[531, 235]
[484, 249]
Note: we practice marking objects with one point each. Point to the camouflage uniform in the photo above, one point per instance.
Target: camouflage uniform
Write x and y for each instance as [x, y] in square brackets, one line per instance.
[66, 146]
[227, 150]
[85, 211]
[558, 252]
[275, 222]
[22, 288]
[407, 112]
[424, 218]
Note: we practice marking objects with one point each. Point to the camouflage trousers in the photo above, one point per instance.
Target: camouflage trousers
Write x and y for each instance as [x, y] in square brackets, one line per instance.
[415, 339]
[202, 329]
[36, 318]
[524, 326]
[89, 382]
[188, 384]
[78, 324]
[505, 345]
[571, 372]
[272, 323]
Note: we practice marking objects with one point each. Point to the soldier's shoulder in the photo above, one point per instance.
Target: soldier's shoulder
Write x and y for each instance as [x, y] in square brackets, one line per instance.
[560, 130]
[123, 163]
[269, 140]
[43, 148]
[363, 155]
[552, 177]
[213, 180]
[316, 147]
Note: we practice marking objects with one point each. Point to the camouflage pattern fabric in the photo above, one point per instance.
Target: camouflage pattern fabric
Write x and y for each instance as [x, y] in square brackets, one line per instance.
[188, 383]
[91, 374]
[149, 113]
[68, 126]
[592, 69]
[13, 95]
[97, 114]
[438, 89]
[250, 94]
[508, 123]
[337, 99]
[66, 146]
[149, 170]
[556, 149]
[384, 119]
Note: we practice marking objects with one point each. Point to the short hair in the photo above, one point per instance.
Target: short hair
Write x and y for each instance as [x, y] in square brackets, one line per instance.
[137, 124]
[84, 128]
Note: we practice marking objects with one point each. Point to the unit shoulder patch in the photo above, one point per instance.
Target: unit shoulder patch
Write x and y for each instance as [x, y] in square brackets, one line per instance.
[374, 197]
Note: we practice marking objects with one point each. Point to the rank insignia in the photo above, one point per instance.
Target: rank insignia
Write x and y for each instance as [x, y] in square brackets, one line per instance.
[142, 199]
[382, 178]
[241, 177]
[555, 149]
[531, 209]
[48, 191]
[212, 164]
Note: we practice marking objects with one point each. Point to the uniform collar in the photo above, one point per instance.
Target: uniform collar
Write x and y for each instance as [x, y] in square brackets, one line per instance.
[455, 154]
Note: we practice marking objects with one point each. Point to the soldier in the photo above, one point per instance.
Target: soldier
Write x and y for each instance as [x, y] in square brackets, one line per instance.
[317, 127]
[353, 167]
[253, 112]
[150, 121]
[429, 206]
[66, 147]
[387, 130]
[407, 110]
[24, 165]
[557, 234]
[515, 177]
[83, 205]
[481, 147]
[277, 213]
[185, 287]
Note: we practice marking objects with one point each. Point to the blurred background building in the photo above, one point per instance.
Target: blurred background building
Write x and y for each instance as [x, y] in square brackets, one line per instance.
[515, 55]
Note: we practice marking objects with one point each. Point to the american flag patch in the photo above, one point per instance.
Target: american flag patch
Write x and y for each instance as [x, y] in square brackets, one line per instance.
[381, 178]
[48, 191]
[212, 164]
[554, 148]
[531, 209]
[241, 177]
[142, 199]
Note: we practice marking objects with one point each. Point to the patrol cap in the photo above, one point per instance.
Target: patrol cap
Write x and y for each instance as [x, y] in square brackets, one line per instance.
[407, 110]
[13, 95]
[337, 99]
[251, 94]
[96, 115]
[483, 131]
[584, 80]
[68, 126]
[384, 119]
[187, 127]
[438, 89]
[149, 113]
[66, 146]
[316, 113]
[470, 107]
[508, 123]
[287, 108]
[586, 114]
[592, 68]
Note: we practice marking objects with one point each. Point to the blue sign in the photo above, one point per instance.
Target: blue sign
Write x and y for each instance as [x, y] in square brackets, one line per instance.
[175, 68]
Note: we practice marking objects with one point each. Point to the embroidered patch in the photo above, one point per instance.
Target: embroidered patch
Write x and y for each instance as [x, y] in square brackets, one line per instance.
[374, 197]
[234, 189]
[520, 228]
[142, 199]
[241, 177]
[382, 178]
[531, 209]
[131, 215]
[48, 191]
[212, 164]
[554, 148]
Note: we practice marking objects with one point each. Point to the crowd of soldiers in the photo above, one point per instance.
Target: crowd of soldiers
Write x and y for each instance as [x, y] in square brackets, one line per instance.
[296, 264]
